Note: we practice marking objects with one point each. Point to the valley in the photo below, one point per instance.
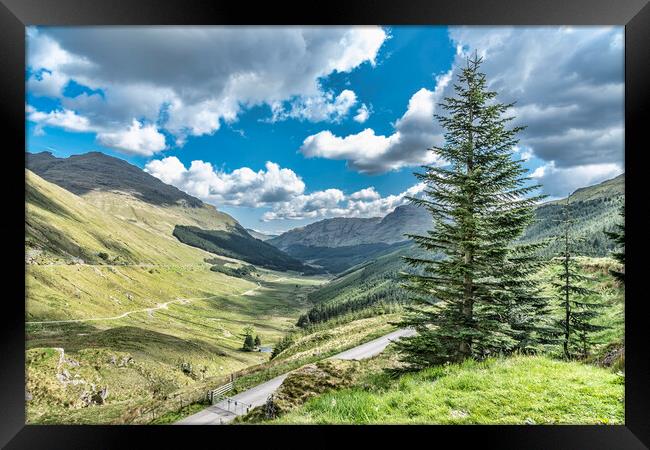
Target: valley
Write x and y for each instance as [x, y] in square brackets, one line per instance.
[138, 297]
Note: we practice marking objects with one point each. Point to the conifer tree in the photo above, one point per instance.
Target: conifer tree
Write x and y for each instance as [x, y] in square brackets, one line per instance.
[249, 342]
[569, 283]
[468, 304]
[618, 236]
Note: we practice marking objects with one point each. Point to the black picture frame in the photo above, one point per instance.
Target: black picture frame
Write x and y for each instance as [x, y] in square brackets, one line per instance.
[16, 14]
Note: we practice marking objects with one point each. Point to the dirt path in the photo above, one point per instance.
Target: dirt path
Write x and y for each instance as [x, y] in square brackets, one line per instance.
[183, 301]
[150, 311]
[252, 291]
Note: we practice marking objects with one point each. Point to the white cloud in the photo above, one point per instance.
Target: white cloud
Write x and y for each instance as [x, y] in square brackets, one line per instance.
[138, 139]
[363, 113]
[241, 187]
[562, 181]
[415, 133]
[279, 189]
[365, 194]
[62, 118]
[568, 84]
[192, 79]
[47, 84]
[333, 203]
[318, 108]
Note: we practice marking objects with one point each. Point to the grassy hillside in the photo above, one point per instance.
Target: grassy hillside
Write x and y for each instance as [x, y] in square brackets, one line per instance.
[364, 289]
[516, 390]
[61, 227]
[595, 210]
[237, 243]
[338, 259]
[106, 280]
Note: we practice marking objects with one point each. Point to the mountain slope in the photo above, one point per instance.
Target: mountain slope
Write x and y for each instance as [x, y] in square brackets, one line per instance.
[374, 282]
[105, 286]
[344, 231]
[595, 210]
[95, 171]
[126, 192]
[237, 243]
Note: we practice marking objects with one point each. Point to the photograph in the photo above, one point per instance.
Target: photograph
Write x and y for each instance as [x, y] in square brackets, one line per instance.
[325, 225]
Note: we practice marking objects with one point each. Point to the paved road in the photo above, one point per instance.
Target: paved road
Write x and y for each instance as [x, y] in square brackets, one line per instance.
[223, 412]
[372, 348]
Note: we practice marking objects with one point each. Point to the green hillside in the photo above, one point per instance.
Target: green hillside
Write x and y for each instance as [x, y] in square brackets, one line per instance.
[369, 287]
[516, 390]
[338, 259]
[237, 243]
[106, 281]
[375, 283]
[595, 210]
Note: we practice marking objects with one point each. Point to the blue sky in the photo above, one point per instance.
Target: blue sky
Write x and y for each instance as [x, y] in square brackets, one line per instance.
[281, 127]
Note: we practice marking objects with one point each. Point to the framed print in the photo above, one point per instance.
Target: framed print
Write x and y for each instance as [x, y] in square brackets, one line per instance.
[353, 217]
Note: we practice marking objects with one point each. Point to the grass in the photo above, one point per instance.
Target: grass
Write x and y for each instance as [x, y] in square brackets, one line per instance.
[516, 390]
[311, 347]
[131, 265]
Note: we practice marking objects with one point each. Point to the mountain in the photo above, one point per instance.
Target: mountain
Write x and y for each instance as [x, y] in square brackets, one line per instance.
[237, 243]
[95, 171]
[128, 193]
[349, 231]
[595, 209]
[373, 283]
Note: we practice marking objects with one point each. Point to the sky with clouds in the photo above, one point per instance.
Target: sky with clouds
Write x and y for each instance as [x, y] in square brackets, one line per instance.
[283, 126]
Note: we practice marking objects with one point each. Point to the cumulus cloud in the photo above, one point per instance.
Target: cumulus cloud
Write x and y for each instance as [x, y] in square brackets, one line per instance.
[190, 80]
[138, 139]
[241, 187]
[333, 203]
[415, 133]
[62, 118]
[562, 181]
[280, 190]
[363, 113]
[568, 84]
[318, 108]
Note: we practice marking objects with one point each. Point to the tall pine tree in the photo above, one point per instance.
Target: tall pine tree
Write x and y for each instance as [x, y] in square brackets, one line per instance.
[618, 236]
[479, 299]
[578, 312]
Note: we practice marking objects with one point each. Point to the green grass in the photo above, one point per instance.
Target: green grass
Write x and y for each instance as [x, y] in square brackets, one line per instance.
[144, 267]
[516, 390]
[311, 346]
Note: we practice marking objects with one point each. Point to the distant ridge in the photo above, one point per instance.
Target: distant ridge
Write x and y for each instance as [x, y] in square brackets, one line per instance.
[350, 231]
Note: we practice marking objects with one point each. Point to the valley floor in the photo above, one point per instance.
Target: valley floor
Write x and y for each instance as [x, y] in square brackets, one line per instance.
[108, 333]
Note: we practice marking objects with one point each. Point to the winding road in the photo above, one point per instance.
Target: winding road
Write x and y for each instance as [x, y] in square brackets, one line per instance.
[224, 411]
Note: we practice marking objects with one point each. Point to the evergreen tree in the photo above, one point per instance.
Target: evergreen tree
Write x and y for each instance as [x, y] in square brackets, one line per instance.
[467, 304]
[618, 236]
[569, 283]
[258, 341]
[249, 342]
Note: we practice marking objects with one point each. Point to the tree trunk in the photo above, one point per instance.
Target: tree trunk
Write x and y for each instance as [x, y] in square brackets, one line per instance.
[465, 347]
[567, 305]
